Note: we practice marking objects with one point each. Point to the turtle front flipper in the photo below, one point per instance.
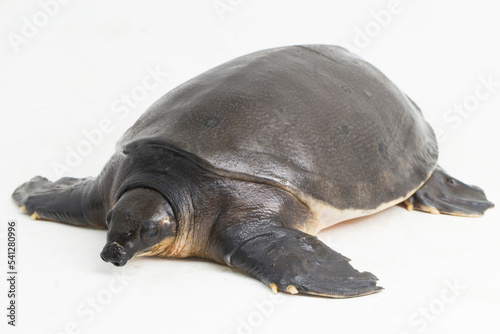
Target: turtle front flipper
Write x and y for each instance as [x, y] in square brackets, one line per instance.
[445, 194]
[287, 259]
[68, 200]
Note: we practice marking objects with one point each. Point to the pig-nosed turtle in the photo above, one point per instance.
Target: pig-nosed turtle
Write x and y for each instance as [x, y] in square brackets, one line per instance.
[244, 163]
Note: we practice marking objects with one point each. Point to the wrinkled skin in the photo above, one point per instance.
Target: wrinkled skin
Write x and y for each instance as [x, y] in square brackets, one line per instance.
[135, 226]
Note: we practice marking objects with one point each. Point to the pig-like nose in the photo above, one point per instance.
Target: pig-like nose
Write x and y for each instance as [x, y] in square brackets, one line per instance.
[115, 254]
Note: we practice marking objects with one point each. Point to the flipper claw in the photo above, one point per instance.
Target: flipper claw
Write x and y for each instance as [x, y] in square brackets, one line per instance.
[434, 211]
[409, 206]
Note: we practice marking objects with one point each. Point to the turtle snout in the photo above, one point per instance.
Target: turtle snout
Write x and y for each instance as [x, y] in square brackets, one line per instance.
[115, 254]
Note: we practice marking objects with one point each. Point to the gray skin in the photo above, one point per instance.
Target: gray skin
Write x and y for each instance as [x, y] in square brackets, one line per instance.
[237, 164]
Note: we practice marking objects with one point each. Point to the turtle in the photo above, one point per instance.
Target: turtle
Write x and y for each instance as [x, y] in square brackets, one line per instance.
[245, 163]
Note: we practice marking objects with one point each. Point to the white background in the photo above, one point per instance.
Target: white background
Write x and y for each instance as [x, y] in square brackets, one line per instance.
[72, 73]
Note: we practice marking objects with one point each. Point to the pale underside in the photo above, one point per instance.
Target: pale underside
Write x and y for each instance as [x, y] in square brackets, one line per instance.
[327, 215]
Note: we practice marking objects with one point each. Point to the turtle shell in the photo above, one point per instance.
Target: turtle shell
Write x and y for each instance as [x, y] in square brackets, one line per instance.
[315, 120]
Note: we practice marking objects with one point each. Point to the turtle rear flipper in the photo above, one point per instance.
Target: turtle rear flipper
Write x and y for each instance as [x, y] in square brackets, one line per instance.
[445, 194]
[289, 260]
[68, 200]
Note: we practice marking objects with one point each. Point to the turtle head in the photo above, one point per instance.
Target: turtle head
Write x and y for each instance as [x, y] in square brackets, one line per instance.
[141, 223]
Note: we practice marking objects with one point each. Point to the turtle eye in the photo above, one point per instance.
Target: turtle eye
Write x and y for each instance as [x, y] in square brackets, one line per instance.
[149, 231]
